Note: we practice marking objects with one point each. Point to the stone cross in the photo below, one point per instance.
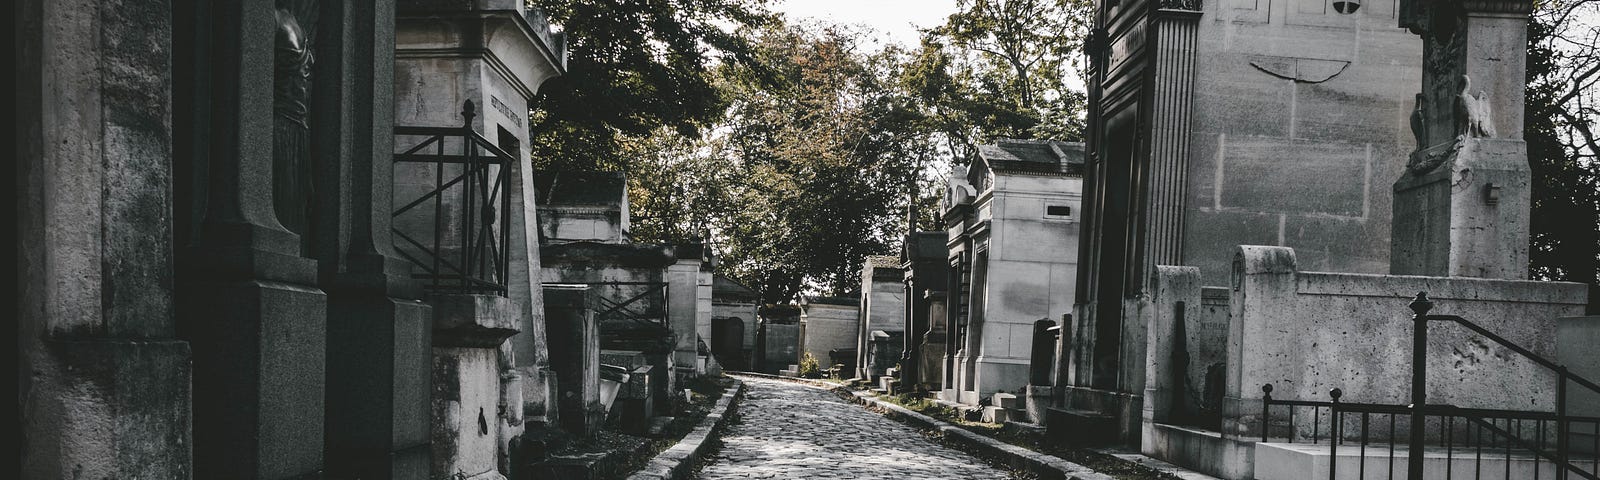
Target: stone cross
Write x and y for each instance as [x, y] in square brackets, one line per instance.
[1461, 208]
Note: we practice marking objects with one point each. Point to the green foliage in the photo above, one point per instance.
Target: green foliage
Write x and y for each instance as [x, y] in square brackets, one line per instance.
[809, 367]
[791, 148]
[805, 175]
[1001, 68]
[634, 67]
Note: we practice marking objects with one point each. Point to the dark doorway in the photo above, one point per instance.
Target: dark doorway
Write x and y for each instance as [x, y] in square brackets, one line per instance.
[1120, 147]
[727, 342]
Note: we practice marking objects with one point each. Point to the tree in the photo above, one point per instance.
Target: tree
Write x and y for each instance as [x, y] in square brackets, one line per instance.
[634, 67]
[805, 174]
[1003, 68]
[1563, 70]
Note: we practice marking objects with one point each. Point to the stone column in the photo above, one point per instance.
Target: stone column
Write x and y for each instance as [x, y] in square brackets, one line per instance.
[248, 301]
[682, 304]
[1174, 28]
[379, 333]
[1461, 207]
[575, 353]
[932, 350]
[914, 326]
[103, 381]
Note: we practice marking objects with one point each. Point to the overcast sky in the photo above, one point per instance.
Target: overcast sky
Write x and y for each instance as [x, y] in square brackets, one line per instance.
[896, 19]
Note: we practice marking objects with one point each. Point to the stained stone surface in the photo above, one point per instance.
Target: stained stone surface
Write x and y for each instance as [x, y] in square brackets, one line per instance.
[787, 430]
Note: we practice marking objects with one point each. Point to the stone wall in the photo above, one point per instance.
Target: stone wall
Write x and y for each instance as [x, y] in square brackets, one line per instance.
[103, 382]
[1576, 338]
[1298, 126]
[1307, 332]
[825, 327]
[781, 349]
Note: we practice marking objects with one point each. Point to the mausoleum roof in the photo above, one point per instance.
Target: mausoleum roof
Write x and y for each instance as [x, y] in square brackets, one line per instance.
[724, 287]
[1050, 157]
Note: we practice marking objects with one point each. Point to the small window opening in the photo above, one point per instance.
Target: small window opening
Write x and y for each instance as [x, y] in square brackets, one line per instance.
[1058, 210]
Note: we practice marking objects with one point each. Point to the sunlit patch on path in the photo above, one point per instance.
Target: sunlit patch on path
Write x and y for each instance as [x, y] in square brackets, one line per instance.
[788, 430]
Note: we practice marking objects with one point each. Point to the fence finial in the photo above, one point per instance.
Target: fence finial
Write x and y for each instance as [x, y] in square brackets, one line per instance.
[1421, 304]
[468, 111]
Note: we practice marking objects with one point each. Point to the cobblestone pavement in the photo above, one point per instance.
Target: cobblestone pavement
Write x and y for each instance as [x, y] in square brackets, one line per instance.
[787, 430]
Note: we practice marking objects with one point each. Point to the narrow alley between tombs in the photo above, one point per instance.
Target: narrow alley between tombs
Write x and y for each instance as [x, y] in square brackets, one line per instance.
[789, 430]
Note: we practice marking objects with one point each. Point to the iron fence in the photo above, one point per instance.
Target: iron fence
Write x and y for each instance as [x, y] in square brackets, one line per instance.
[1569, 445]
[467, 207]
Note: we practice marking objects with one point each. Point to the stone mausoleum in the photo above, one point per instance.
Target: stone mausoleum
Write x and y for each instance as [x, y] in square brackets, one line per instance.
[1012, 220]
[1268, 190]
[1222, 123]
[239, 257]
[880, 337]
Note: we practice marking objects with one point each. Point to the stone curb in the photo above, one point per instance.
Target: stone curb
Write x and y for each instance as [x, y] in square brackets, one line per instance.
[1047, 466]
[678, 461]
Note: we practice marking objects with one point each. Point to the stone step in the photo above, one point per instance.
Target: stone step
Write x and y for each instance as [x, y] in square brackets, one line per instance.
[994, 414]
[1007, 401]
[1080, 427]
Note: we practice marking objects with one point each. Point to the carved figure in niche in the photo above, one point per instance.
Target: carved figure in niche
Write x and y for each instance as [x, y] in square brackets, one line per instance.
[291, 132]
[1472, 112]
[1419, 123]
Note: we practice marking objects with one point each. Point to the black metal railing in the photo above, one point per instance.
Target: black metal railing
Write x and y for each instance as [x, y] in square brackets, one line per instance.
[643, 303]
[469, 208]
[1569, 445]
[1461, 435]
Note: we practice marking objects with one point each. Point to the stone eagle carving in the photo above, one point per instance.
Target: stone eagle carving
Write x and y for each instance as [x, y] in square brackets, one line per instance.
[1472, 112]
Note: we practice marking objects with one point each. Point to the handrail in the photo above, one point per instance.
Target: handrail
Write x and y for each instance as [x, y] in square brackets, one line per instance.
[1544, 362]
[1420, 306]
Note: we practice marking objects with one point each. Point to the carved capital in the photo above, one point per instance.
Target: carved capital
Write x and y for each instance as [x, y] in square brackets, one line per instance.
[1522, 7]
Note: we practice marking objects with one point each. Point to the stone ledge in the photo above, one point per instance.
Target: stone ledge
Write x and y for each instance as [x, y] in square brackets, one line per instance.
[1046, 466]
[678, 461]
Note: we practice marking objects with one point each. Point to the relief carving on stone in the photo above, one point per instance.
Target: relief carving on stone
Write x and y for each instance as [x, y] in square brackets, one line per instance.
[293, 58]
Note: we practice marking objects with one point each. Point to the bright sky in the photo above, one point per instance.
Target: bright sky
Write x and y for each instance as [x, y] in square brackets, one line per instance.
[897, 19]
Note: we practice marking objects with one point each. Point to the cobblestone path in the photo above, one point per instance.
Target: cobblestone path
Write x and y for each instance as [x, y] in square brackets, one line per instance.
[792, 431]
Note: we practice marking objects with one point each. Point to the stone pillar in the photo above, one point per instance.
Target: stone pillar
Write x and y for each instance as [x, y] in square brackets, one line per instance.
[468, 331]
[1461, 207]
[932, 350]
[575, 353]
[915, 327]
[702, 317]
[495, 53]
[683, 279]
[249, 301]
[379, 333]
[1172, 85]
[103, 380]
[1260, 276]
